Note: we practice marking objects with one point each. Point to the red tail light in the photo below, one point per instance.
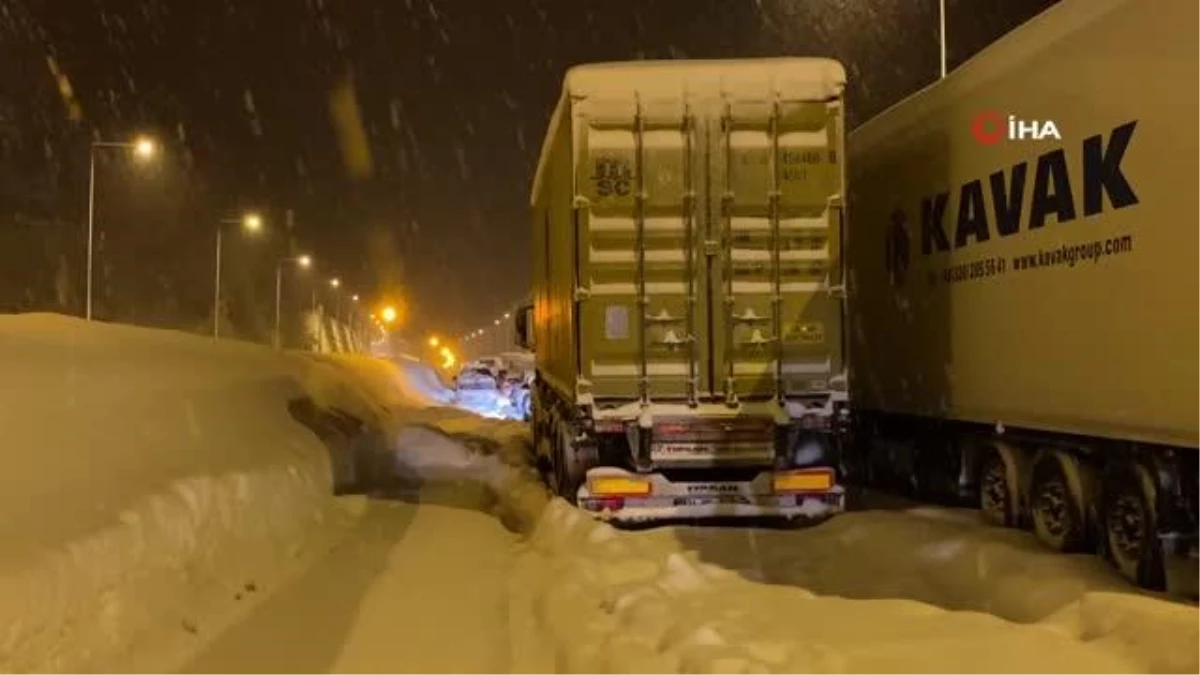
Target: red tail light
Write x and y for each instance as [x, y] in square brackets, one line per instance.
[603, 503]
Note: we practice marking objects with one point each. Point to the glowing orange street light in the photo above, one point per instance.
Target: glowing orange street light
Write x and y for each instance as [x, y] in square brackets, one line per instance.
[144, 148]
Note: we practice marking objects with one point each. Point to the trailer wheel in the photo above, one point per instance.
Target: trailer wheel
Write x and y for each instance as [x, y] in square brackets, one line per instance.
[1056, 505]
[544, 459]
[567, 474]
[1131, 526]
[997, 490]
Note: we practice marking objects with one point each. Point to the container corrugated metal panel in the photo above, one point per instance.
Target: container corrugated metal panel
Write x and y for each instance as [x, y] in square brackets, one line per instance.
[1012, 323]
[554, 265]
[739, 165]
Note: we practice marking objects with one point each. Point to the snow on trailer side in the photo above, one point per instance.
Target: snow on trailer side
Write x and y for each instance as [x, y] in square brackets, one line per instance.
[1038, 294]
[687, 267]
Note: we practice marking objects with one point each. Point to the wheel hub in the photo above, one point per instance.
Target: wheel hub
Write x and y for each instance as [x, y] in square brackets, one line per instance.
[1125, 527]
[1051, 508]
[994, 489]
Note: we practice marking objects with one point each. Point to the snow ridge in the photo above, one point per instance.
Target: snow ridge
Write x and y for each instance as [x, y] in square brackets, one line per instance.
[589, 598]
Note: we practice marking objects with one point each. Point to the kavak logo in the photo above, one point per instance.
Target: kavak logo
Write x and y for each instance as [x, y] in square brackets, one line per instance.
[989, 127]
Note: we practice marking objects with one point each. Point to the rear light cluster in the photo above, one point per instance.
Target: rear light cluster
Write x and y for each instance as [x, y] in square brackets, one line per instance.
[803, 481]
[604, 504]
[619, 486]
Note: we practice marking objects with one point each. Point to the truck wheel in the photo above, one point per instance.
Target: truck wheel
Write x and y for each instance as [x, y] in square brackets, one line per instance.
[1131, 526]
[997, 493]
[544, 458]
[1056, 506]
[568, 475]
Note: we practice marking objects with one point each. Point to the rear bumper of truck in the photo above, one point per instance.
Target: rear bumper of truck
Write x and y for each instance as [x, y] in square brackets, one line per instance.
[622, 496]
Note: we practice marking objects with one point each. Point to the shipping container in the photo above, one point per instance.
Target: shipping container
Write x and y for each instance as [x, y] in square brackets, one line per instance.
[688, 288]
[1022, 269]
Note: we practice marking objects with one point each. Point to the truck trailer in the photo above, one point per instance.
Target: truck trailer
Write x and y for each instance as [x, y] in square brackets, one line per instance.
[1023, 289]
[688, 296]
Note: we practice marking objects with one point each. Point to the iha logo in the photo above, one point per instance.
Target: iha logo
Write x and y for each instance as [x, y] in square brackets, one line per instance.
[990, 127]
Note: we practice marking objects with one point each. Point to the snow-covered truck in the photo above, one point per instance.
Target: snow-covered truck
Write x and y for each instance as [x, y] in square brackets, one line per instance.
[687, 289]
[1023, 306]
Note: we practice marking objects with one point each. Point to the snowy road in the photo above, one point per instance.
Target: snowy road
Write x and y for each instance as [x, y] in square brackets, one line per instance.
[413, 588]
[430, 580]
[186, 520]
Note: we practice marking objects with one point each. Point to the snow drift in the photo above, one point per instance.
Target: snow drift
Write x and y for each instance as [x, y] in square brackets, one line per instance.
[153, 480]
[589, 598]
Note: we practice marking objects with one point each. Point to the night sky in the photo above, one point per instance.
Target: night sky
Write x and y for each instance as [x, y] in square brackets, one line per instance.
[453, 96]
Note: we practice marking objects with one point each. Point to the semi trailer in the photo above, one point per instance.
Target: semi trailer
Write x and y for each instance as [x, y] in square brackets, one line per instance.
[1023, 286]
[688, 295]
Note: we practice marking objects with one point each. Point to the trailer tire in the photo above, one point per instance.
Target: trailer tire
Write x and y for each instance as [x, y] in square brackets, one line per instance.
[567, 473]
[1130, 526]
[544, 459]
[1056, 504]
[998, 485]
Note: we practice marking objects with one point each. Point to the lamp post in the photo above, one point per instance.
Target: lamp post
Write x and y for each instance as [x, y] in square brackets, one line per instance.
[336, 283]
[942, 33]
[302, 261]
[144, 149]
[251, 222]
[354, 322]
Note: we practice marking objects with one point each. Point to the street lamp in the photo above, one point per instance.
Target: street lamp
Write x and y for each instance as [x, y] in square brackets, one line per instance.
[144, 149]
[250, 222]
[301, 261]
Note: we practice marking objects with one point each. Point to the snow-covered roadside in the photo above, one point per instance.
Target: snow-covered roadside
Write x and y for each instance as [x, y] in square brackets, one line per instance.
[588, 598]
[154, 487]
[936, 555]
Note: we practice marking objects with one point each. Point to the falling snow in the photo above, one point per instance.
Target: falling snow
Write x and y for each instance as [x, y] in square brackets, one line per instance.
[447, 96]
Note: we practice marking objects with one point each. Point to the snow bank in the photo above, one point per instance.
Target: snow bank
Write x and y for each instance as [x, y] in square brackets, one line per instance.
[619, 602]
[944, 557]
[588, 598]
[421, 381]
[153, 483]
[388, 384]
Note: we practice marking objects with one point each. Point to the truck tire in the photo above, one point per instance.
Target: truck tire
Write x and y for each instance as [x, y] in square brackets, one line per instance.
[567, 474]
[998, 497]
[1129, 520]
[1056, 505]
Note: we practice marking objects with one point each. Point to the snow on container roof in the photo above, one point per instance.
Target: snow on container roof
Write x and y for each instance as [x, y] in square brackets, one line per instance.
[789, 78]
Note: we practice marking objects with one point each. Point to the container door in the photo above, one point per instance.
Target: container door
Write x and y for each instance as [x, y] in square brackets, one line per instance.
[776, 294]
[642, 299]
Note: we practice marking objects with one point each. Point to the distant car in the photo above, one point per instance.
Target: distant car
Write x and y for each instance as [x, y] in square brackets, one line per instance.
[474, 378]
[505, 380]
[516, 387]
[517, 382]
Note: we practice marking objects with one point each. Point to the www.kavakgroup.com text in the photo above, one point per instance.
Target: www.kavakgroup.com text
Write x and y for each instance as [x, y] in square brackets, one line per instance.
[1066, 255]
